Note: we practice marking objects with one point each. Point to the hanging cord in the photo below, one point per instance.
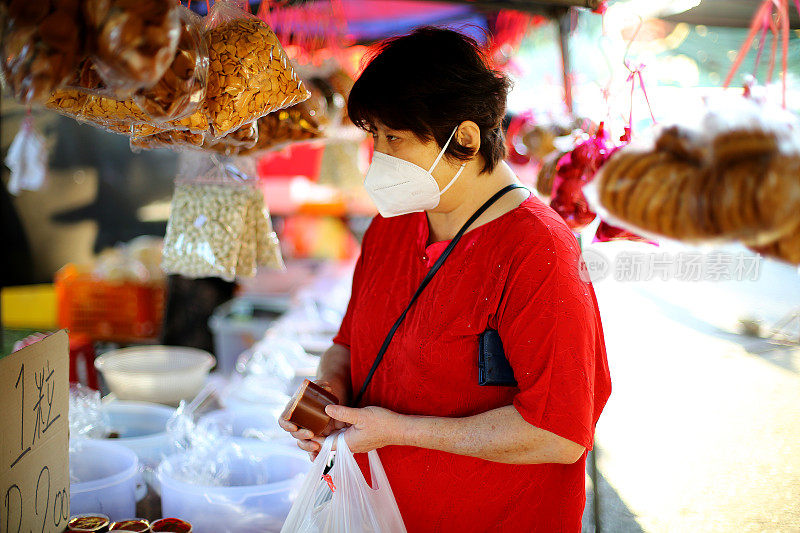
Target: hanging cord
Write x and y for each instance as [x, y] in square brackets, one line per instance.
[634, 74]
[778, 24]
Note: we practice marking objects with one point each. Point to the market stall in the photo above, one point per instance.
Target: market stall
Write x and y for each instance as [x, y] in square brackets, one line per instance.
[184, 353]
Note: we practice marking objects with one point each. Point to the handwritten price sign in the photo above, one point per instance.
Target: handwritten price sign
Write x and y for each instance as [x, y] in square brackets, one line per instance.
[34, 437]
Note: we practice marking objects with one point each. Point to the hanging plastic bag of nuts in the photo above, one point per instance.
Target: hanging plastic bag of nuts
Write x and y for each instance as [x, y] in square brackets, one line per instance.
[268, 248]
[280, 128]
[41, 46]
[117, 116]
[177, 140]
[249, 72]
[208, 218]
[215, 227]
[134, 41]
[236, 141]
[86, 79]
[182, 88]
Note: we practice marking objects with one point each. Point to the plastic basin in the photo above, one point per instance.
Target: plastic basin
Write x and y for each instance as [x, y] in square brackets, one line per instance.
[248, 423]
[239, 323]
[253, 494]
[142, 428]
[161, 374]
[103, 479]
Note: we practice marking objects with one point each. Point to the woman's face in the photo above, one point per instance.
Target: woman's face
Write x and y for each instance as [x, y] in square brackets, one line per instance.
[405, 145]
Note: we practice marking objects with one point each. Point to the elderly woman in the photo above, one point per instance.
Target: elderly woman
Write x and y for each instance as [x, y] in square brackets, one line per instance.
[461, 455]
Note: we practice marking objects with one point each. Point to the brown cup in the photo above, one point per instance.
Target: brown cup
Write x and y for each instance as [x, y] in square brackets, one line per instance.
[306, 409]
[139, 525]
[88, 523]
[171, 525]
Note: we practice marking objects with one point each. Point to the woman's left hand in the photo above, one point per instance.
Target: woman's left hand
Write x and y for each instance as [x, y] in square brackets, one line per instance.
[370, 428]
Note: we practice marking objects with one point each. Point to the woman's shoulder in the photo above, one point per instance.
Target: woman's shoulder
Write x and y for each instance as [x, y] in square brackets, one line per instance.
[535, 224]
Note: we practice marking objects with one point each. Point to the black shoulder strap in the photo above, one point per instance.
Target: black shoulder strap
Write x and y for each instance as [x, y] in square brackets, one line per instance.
[426, 281]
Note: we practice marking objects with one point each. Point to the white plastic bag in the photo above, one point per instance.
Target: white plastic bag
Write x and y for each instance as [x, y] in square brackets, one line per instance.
[350, 505]
[27, 160]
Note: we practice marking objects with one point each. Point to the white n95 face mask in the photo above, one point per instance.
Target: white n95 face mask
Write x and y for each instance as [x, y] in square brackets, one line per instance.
[399, 187]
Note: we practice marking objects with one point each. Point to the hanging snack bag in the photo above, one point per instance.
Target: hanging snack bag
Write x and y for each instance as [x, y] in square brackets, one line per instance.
[134, 41]
[209, 219]
[173, 139]
[249, 72]
[235, 142]
[182, 88]
[41, 46]
[268, 248]
[297, 123]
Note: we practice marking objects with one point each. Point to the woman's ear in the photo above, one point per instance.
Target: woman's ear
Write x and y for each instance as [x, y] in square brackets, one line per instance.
[468, 135]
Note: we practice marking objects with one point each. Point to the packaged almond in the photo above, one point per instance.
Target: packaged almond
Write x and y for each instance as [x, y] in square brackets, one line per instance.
[177, 140]
[182, 88]
[117, 116]
[236, 142]
[133, 41]
[41, 46]
[249, 72]
[301, 122]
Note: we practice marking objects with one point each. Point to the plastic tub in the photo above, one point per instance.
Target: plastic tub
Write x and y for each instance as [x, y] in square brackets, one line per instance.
[104, 478]
[261, 424]
[253, 393]
[253, 496]
[239, 323]
[142, 428]
[162, 374]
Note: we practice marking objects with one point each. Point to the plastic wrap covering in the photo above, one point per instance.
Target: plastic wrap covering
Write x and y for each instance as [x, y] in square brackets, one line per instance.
[249, 72]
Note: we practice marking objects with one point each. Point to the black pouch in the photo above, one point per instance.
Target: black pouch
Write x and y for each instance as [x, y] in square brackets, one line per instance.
[493, 367]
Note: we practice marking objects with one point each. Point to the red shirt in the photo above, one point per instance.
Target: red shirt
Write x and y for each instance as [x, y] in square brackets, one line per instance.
[518, 274]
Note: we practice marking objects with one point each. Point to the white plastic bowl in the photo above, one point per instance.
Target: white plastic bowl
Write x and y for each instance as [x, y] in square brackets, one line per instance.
[161, 374]
[252, 496]
[104, 478]
[142, 428]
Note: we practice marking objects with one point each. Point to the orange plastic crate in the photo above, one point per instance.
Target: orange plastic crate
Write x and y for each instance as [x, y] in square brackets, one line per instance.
[108, 311]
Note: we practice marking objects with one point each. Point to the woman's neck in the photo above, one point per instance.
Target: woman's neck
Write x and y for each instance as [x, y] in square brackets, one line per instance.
[443, 225]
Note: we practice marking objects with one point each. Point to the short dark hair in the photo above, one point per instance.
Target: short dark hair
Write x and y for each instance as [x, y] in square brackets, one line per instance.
[429, 82]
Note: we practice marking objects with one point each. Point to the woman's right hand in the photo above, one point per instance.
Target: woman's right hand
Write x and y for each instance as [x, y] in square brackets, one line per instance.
[306, 440]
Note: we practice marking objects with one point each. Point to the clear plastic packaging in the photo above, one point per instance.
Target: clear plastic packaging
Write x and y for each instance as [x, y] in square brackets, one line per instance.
[240, 485]
[236, 141]
[117, 116]
[273, 354]
[173, 139]
[205, 230]
[343, 502]
[41, 46]
[133, 43]
[87, 79]
[215, 226]
[249, 72]
[182, 88]
[27, 159]
[137, 261]
[268, 248]
[87, 419]
[301, 122]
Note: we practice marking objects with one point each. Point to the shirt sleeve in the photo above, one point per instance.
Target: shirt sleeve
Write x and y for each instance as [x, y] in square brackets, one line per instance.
[343, 336]
[550, 326]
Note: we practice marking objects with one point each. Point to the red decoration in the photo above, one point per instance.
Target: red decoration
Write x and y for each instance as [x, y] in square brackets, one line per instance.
[575, 170]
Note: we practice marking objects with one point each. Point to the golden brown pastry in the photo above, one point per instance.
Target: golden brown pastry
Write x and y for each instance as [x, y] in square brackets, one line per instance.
[547, 173]
[680, 142]
[740, 145]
